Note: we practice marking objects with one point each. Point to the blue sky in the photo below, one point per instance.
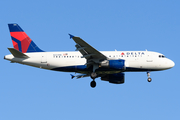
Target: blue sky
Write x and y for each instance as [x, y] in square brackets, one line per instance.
[32, 93]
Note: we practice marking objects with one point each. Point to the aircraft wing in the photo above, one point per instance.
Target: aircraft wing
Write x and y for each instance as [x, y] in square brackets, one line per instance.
[79, 76]
[92, 55]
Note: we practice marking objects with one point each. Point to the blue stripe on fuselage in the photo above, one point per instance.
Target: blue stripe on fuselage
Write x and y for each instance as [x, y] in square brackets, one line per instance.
[72, 68]
[82, 68]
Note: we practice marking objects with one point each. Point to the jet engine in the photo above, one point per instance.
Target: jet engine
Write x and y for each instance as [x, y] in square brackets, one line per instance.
[117, 78]
[114, 64]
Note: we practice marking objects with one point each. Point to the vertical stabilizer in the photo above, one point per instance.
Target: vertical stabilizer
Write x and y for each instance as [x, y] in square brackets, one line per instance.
[21, 41]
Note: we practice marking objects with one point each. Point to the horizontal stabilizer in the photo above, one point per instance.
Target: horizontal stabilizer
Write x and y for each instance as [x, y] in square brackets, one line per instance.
[17, 53]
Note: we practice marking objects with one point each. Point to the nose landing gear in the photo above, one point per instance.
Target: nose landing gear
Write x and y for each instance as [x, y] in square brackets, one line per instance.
[149, 79]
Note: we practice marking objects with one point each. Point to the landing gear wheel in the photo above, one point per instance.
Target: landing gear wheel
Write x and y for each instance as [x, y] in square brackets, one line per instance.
[93, 84]
[93, 75]
[149, 79]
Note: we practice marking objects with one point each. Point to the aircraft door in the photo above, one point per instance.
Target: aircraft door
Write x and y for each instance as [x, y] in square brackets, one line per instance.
[43, 58]
[149, 57]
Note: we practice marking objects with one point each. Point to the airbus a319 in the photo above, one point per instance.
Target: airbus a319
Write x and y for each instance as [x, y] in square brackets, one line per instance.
[87, 61]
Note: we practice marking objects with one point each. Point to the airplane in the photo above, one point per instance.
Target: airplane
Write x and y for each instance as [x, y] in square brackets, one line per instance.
[87, 61]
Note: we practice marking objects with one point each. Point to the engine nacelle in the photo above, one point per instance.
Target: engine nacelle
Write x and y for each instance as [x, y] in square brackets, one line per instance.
[117, 78]
[114, 64]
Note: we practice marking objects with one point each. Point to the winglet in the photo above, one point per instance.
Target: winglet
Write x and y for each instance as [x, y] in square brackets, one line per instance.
[71, 36]
[72, 76]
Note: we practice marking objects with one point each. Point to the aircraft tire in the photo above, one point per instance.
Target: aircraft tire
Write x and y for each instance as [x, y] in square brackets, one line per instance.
[149, 79]
[93, 84]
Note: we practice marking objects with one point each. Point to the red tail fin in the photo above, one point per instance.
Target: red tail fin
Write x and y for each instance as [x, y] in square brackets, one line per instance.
[21, 41]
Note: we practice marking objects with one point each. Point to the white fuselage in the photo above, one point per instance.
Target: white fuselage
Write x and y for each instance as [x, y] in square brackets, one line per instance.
[134, 60]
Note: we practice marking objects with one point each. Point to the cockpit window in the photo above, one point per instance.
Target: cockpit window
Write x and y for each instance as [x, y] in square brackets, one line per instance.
[162, 56]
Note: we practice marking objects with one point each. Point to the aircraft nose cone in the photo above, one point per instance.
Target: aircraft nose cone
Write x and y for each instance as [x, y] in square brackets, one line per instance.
[171, 63]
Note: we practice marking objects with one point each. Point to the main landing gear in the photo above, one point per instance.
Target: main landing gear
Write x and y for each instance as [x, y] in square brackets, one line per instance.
[93, 76]
[149, 79]
[93, 84]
